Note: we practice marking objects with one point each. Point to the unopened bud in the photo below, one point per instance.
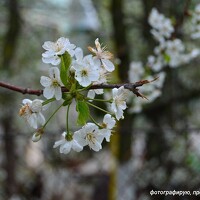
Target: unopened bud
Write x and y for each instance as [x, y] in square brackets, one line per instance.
[37, 135]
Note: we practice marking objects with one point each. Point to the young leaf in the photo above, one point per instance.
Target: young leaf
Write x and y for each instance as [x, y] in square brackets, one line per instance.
[83, 112]
[167, 58]
[65, 64]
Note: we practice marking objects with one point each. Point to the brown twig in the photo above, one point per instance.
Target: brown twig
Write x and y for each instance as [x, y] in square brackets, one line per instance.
[130, 86]
[20, 89]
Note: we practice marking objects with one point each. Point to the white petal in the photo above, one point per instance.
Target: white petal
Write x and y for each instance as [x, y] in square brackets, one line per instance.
[93, 75]
[114, 92]
[79, 53]
[27, 101]
[76, 146]
[58, 143]
[48, 54]
[54, 73]
[79, 137]
[32, 120]
[56, 60]
[95, 146]
[45, 81]
[97, 62]
[49, 92]
[123, 105]
[41, 118]
[58, 93]
[106, 133]
[36, 105]
[99, 91]
[84, 82]
[119, 114]
[109, 121]
[65, 148]
[113, 107]
[91, 94]
[48, 45]
[109, 66]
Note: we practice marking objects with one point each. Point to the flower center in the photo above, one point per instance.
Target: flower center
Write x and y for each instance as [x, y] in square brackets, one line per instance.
[91, 137]
[58, 47]
[104, 125]
[84, 73]
[69, 136]
[55, 83]
[24, 110]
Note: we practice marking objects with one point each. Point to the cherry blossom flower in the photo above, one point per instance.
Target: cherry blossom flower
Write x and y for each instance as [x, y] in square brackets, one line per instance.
[103, 56]
[31, 112]
[162, 27]
[86, 69]
[108, 123]
[55, 49]
[66, 144]
[119, 101]
[52, 84]
[89, 135]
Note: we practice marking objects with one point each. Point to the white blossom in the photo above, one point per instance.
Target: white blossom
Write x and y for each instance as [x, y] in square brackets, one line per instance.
[66, 145]
[31, 112]
[89, 135]
[175, 51]
[108, 123]
[155, 18]
[162, 27]
[52, 84]
[103, 56]
[119, 101]
[86, 69]
[56, 49]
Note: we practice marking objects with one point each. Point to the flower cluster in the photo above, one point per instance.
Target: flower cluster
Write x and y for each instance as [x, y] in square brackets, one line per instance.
[162, 26]
[68, 80]
[169, 52]
[152, 91]
[90, 134]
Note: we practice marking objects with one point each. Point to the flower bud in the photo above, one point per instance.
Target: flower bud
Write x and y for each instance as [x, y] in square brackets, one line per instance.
[37, 135]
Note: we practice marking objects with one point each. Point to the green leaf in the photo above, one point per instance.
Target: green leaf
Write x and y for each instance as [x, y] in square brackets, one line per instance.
[65, 64]
[167, 58]
[83, 112]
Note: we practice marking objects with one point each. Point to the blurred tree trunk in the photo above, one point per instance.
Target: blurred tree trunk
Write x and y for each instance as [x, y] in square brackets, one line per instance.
[10, 40]
[9, 49]
[122, 51]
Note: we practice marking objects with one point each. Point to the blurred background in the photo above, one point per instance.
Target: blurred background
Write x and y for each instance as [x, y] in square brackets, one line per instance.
[156, 148]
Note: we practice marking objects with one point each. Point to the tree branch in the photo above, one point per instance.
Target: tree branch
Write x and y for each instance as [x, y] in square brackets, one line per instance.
[130, 86]
[20, 89]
